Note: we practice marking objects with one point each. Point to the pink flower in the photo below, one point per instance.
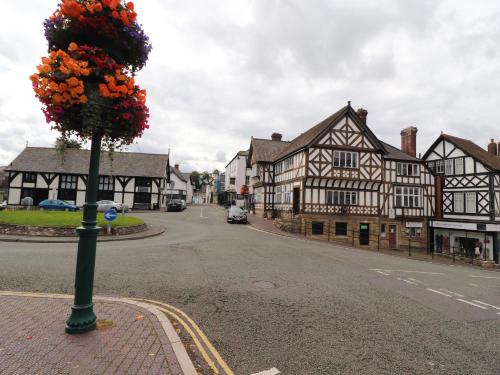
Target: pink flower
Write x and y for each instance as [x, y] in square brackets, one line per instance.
[58, 109]
[126, 116]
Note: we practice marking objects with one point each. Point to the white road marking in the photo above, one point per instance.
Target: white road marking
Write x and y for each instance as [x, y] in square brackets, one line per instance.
[486, 277]
[449, 291]
[381, 272]
[417, 281]
[438, 292]
[272, 371]
[486, 304]
[422, 272]
[473, 285]
[472, 303]
[409, 282]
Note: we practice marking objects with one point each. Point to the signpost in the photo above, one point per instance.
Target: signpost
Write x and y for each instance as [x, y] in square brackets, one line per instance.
[110, 215]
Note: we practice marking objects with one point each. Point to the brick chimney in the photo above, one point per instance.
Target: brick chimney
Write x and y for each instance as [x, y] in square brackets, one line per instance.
[176, 166]
[409, 141]
[276, 137]
[493, 147]
[363, 114]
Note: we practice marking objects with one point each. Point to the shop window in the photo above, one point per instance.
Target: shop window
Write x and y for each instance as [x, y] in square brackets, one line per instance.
[317, 227]
[341, 229]
[413, 232]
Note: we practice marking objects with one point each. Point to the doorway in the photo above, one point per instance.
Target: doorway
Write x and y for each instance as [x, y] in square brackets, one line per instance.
[296, 200]
[364, 234]
[393, 236]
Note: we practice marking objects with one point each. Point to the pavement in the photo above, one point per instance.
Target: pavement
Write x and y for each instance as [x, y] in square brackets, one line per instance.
[151, 231]
[131, 338]
[272, 303]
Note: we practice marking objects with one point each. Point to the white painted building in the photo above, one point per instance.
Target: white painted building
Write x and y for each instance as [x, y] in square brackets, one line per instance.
[237, 175]
[135, 179]
[180, 186]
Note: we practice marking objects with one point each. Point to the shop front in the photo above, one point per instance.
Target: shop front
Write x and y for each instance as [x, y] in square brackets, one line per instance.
[465, 239]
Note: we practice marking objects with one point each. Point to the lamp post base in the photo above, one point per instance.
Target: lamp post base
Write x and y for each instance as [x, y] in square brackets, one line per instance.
[82, 319]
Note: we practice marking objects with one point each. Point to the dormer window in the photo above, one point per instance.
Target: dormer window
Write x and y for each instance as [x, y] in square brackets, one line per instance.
[407, 169]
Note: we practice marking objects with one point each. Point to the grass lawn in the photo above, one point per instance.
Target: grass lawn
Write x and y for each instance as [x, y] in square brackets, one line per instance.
[61, 219]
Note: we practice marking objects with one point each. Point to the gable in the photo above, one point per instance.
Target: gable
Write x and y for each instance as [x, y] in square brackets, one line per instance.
[349, 132]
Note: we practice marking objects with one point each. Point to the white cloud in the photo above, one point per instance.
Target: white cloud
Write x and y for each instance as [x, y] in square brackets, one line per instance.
[224, 70]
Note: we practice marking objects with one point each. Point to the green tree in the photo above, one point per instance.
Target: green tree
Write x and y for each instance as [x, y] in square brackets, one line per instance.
[216, 172]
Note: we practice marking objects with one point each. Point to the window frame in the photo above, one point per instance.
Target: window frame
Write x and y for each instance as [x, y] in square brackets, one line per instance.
[449, 167]
[315, 225]
[407, 168]
[339, 228]
[408, 197]
[470, 202]
[29, 177]
[341, 198]
[460, 162]
[340, 159]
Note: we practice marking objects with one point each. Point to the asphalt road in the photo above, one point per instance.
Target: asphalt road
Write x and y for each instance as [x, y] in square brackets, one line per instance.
[302, 307]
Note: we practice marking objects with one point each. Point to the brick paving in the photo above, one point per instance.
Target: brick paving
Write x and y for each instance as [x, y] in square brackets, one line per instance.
[33, 341]
[267, 225]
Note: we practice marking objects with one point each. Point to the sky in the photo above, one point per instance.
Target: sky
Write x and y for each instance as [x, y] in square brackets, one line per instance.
[222, 71]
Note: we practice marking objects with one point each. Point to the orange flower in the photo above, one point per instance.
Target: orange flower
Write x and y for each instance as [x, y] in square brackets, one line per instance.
[72, 82]
[83, 99]
[98, 7]
[72, 46]
[124, 18]
[103, 90]
[115, 15]
[130, 5]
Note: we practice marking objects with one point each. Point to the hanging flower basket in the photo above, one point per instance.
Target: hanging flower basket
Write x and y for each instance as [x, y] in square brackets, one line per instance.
[107, 24]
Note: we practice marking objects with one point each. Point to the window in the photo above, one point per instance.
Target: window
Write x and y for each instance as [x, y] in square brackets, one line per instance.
[29, 177]
[470, 202]
[439, 169]
[448, 166]
[341, 229]
[431, 166]
[143, 181]
[407, 169]
[459, 166]
[67, 181]
[317, 227]
[345, 159]
[413, 232]
[383, 230]
[408, 196]
[232, 180]
[458, 202]
[342, 198]
[106, 183]
[278, 194]
[247, 180]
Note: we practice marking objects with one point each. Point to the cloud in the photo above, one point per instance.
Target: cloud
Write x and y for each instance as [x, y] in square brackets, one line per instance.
[222, 71]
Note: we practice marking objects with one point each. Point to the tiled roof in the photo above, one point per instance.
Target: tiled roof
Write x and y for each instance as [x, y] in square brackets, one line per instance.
[397, 154]
[266, 149]
[178, 173]
[469, 147]
[74, 161]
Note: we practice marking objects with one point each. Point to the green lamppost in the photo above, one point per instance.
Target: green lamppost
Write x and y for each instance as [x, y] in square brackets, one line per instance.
[87, 89]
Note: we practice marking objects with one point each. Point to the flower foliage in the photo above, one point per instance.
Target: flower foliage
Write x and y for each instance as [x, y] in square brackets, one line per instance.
[108, 24]
[86, 82]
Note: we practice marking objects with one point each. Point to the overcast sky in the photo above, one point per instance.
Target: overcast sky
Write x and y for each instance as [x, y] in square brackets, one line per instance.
[224, 70]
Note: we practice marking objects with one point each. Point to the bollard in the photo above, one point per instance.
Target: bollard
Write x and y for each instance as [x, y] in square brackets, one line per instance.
[353, 237]
[378, 243]
[409, 247]
[453, 252]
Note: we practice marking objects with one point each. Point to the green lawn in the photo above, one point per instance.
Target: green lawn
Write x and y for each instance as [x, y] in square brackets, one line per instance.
[61, 219]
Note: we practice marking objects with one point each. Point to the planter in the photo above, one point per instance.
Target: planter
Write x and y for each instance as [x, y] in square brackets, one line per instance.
[25, 230]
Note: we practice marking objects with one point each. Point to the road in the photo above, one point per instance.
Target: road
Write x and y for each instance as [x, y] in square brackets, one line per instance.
[300, 306]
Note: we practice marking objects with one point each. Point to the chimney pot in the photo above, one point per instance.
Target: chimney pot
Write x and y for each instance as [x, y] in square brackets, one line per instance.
[176, 166]
[276, 137]
[409, 141]
[363, 114]
[493, 147]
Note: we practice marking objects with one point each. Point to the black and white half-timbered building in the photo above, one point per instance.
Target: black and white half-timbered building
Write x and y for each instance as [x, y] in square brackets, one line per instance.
[467, 197]
[135, 179]
[261, 155]
[344, 182]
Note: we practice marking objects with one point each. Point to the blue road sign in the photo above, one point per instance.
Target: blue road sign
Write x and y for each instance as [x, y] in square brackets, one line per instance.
[110, 215]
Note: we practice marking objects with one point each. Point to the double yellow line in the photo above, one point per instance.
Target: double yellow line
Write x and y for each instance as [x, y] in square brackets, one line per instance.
[205, 347]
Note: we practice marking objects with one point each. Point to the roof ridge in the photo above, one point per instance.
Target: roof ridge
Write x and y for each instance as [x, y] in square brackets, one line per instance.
[87, 150]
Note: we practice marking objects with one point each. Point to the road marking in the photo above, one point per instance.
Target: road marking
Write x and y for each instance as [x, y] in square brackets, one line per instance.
[272, 371]
[381, 272]
[409, 282]
[487, 277]
[473, 285]
[438, 292]
[422, 272]
[417, 281]
[486, 304]
[449, 291]
[472, 303]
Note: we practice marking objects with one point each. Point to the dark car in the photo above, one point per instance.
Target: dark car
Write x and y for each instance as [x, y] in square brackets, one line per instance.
[56, 205]
[175, 205]
[236, 215]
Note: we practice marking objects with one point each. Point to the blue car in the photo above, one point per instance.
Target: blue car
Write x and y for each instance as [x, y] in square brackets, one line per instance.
[56, 205]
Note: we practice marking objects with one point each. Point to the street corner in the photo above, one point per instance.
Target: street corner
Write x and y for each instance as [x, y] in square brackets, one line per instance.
[131, 337]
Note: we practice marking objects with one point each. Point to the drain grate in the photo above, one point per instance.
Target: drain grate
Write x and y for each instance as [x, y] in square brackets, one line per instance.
[264, 284]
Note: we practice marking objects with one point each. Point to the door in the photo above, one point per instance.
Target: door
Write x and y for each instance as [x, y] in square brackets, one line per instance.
[393, 236]
[364, 234]
[296, 201]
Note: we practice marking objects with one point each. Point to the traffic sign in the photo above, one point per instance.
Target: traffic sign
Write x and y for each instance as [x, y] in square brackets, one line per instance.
[110, 215]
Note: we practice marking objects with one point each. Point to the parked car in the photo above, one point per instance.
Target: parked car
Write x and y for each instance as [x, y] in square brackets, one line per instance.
[103, 206]
[236, 215]
[175, 205]
[3, 205]
[57, 205]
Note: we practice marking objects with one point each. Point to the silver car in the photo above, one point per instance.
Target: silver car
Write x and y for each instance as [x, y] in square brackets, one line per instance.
[103, 206]
[236, 215]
